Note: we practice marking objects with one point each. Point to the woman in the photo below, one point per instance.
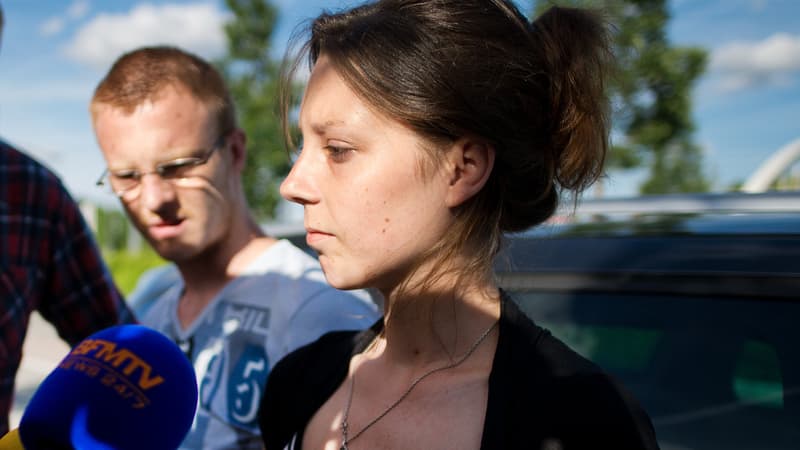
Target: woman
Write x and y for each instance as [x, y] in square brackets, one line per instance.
[430, 128]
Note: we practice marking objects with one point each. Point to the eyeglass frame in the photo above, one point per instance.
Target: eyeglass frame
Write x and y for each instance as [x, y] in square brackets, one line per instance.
[183, 162]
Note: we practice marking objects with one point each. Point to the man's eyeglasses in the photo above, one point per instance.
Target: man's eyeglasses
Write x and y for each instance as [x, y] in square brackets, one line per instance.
[124, 183]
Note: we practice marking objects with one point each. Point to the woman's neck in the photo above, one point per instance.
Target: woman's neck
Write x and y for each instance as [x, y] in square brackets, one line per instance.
[435, 328]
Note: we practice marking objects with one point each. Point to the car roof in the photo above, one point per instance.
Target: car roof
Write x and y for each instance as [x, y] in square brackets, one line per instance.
[732, 213]
[755, 249]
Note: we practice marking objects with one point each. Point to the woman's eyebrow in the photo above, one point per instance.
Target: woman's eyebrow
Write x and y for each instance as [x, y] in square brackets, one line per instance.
[321, 127]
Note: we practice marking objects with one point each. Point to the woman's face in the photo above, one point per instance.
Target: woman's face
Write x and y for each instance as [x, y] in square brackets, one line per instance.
[370, 208]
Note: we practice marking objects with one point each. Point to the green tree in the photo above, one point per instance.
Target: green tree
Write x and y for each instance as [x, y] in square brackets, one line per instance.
[112, 228]
[252, 77]
[651, 94]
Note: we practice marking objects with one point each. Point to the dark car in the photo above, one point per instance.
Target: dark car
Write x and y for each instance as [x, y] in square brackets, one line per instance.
[692, 302]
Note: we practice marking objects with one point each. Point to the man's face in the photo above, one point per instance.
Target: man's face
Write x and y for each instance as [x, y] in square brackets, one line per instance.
[181, 216]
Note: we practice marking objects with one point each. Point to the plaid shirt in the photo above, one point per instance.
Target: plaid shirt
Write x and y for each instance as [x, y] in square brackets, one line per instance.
[48, 262]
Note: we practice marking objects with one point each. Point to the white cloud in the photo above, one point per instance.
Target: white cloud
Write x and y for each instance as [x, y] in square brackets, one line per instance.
[196, 27]
[78, 9]
[772, 61]
[51, 26]
[56, 24]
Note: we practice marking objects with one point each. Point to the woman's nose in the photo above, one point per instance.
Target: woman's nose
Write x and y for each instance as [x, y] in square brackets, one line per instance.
[299, 186]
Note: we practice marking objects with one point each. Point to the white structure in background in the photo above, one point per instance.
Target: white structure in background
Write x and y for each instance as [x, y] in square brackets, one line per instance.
[772, 168]
[89, 211]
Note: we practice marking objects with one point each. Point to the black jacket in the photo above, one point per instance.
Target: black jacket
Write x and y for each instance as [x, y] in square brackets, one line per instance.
[542, 395]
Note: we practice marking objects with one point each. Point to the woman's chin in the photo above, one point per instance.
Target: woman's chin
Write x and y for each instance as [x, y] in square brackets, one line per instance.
[343, 281]
[343, 284]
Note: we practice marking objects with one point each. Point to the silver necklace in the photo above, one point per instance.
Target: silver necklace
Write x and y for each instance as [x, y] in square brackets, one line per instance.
[346, 440]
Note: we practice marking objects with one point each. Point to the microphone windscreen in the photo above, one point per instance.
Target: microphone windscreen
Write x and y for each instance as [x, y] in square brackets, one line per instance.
[127, 387]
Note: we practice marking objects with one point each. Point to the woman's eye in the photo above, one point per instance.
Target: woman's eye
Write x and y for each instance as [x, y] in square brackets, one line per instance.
[338, 154]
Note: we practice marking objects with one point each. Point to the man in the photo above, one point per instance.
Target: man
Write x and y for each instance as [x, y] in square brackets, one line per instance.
[165, 123]
[48, 262]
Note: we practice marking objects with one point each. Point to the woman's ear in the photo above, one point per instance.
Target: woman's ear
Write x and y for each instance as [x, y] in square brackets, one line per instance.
[470, 162]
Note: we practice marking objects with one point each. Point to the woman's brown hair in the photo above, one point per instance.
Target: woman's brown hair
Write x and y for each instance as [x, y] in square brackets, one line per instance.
[450, 68]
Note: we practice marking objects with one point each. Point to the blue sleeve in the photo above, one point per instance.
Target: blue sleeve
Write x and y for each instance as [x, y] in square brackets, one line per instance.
[330, 310]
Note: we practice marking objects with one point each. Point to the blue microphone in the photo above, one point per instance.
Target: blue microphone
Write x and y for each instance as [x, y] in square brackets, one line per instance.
[127, 387]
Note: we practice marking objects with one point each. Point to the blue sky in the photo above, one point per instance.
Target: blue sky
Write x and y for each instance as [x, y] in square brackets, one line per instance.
[54, 52]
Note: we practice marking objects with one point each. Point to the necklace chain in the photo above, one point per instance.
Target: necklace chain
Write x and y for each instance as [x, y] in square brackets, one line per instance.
[346, 440]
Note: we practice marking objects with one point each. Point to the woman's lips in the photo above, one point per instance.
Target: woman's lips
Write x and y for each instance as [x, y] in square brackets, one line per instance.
[314, 236]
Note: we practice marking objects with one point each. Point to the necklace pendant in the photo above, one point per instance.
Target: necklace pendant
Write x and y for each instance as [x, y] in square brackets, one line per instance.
[343, 446]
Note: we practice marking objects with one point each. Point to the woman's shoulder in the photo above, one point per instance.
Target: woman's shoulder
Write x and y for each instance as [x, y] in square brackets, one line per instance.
[530, 357]
[533, 348]
[549, 383]
[321, 362]
[300, 382]
[329, 351]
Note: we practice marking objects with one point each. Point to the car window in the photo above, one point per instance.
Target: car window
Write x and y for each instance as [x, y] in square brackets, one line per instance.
[711, 372]
[758, 376]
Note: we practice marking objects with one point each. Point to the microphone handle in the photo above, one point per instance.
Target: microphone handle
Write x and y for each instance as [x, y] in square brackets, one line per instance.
[11, 441]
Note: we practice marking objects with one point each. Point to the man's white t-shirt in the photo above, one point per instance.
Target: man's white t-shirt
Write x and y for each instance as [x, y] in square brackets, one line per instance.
[280, 303]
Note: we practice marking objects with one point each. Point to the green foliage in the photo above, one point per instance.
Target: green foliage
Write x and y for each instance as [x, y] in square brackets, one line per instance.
[788, 181]
[126, 267]
[652, 95]
[676, 170]
[252, 77]
[112, 228]
[113, 235]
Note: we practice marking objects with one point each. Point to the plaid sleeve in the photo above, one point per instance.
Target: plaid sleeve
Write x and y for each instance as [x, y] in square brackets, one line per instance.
[80, 296]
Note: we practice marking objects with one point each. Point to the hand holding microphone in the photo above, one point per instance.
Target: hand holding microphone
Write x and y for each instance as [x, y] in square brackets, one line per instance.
[127, 387]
